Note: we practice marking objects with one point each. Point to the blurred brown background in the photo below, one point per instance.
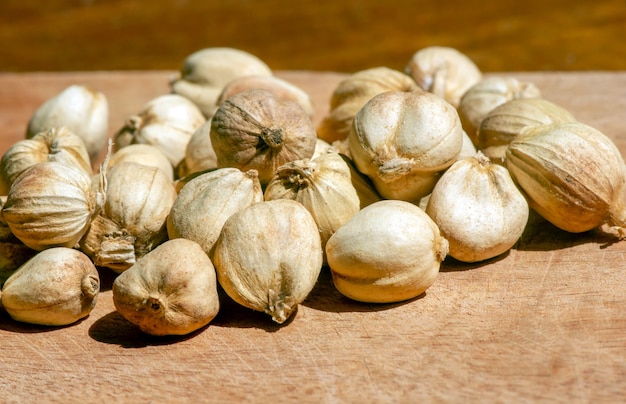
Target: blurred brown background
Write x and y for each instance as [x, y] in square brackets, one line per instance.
[344, 36]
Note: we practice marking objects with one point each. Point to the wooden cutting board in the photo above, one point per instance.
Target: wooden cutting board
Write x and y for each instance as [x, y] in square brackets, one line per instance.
[545, 322]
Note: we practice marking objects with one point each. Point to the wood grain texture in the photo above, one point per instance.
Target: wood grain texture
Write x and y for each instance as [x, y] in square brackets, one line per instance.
[545, 322]
[322, 35]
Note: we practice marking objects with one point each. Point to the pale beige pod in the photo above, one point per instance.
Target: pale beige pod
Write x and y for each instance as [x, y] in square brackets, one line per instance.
[165, 122]
[255, 130]
[443, 71]
[52, 204]
[172, 290]
[13, 253]
[207, 71]
[572, 175]
[208, 200]
[268, 257]
[323, 186]
[83, 110]
[55, 144]
[478, 209]
[199, 154]
[388, 252]
[56, 287]
[352, 93]
[282, 89]
[133, 220]
[403, 141]
[506, 121]
[145, 154]
[322, 147]
[486, 95]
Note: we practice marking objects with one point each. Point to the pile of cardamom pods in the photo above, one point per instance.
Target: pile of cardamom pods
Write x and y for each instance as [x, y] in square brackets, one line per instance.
[226, 182]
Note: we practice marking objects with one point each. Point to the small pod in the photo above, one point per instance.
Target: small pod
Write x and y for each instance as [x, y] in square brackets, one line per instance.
[487, 94]
[199, 154]
[138, 201]
[82, 110]
[165, 122]
[145, 154]
[352, 93]
[172, 290]
[443, 71]
[268, 257]
[572, 175]
[207, 71]
[208, 200]
[59, 145]
[323, 186]
[388, 252]
[478, 209]
[505, 122]
[404, 141]
[255, 130]
[282, 89]
[56, 287]
[52, 205]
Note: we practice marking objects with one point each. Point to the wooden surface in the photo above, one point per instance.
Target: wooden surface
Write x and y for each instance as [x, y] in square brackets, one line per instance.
[328, 35]
[546, 322]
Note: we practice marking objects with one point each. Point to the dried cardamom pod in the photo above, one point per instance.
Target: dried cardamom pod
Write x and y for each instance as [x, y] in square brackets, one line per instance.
[572, 175]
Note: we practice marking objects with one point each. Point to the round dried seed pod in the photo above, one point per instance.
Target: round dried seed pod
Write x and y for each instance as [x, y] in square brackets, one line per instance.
[323, 186]
[58, 286]
[352, 93]
[84, 111]
[208, 200]
[255, 130]
[52, 205]
[404, 141]
[165, 122]
[59, 145]
[389, 251]
[172, 290]
[572, 175]
[268, 257]
[478, 209]
[443, 71]
[505, 122]
[132, 223]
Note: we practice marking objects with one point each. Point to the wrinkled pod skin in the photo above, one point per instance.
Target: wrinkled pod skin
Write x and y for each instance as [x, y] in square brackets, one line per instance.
[56, 287]
[478, 209]
[255, 130]
[506, 121]
[487, 94]
[323, 186]
[572, 175]
[268, 257]
[207, 71]
[172, 290]
[82, 110]
[443, 71]
[133, 221]
[143, 154]
[404, 141]
[52, 204]
[389, 251]
[352, 93]
[165, 122]
[55, 144]
[205, 203]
